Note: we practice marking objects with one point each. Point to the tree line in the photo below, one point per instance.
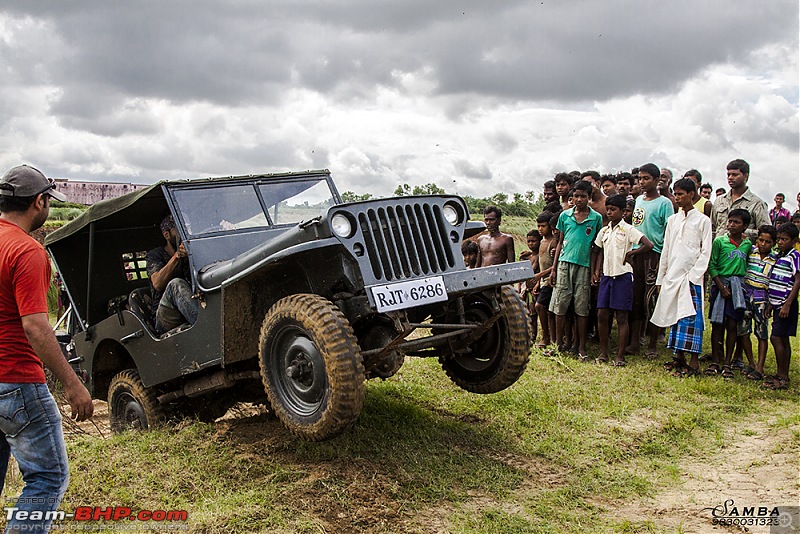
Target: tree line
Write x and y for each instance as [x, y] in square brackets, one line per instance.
[528, 204]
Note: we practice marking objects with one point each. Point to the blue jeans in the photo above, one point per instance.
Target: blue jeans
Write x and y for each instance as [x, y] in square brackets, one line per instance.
[176, 306]
[30, 429]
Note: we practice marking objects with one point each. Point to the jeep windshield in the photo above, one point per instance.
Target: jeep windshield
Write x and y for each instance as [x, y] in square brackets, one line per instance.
[258, 204]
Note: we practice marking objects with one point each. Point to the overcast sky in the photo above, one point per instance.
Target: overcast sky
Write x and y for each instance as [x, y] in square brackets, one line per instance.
[479, 97]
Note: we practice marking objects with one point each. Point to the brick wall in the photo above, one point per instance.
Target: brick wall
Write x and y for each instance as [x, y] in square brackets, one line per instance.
[89, 193]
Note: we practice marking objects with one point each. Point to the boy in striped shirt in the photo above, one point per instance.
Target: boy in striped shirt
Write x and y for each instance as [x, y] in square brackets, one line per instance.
[784, 284]
[756, 283]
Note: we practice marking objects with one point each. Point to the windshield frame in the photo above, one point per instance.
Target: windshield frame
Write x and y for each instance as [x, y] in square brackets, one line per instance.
[254, 182]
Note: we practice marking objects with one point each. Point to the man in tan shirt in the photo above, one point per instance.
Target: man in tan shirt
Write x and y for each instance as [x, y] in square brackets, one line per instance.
[739, 197]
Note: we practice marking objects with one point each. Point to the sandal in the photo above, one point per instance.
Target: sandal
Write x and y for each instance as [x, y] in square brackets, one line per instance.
[747, 370]
[651, 354]
[672, 365]
[583, 357]
[754, 375]
[727, 372]
[619, 363]
[776, 382]
[712, 369]
[601, 359]
[690, 371]
[686, 372]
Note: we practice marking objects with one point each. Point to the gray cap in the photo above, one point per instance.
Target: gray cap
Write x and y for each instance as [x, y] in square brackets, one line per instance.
[26, 181]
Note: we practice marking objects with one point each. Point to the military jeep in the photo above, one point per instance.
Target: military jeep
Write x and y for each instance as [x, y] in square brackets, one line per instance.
[302, 297]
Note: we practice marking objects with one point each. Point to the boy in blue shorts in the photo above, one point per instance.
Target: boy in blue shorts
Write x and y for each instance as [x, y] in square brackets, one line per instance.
[756, 284]
[727, 268]
[577, 229]
[614, 273]
[784, 284]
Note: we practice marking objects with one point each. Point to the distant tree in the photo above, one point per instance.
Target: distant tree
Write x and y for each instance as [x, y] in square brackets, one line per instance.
[402, 190]
[428, 189]
[349, 196]
[522, 205]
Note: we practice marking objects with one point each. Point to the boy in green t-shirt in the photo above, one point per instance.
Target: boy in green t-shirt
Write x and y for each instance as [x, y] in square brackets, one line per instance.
[577, 229]
[727, 303]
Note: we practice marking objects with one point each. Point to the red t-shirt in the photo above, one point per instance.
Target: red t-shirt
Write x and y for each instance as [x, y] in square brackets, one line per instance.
[24, 280]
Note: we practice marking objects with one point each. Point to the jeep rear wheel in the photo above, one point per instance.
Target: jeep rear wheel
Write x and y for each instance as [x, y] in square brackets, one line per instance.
[131, 406]
[311, 366]
[498, 357]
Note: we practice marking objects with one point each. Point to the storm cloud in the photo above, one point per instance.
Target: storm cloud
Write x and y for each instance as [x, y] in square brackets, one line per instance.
[465, 92]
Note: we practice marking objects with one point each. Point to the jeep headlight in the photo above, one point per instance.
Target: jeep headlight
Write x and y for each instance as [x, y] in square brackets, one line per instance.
[451, 214]
[341, 226]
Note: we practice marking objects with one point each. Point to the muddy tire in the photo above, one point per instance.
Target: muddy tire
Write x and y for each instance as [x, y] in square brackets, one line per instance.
[498, 358]
[131, 406]
[311, 366]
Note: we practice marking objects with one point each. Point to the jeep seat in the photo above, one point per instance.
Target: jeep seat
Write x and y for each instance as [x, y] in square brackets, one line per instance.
[139, 303]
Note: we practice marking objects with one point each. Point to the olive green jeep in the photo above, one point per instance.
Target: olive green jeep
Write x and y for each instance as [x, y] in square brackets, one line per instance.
[302, 298]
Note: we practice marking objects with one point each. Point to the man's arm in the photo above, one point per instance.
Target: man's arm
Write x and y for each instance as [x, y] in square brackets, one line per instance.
[760, 216]
[597, 264]
[43, 340]
[713, 269]
[509, 246]
[479, 257]
[161, 277]
[665, 255]
[784, 313]
[645, 245]
[555, 259]
[714, 214]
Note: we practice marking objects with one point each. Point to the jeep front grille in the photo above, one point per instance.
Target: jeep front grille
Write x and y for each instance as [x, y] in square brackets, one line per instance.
[406, 241]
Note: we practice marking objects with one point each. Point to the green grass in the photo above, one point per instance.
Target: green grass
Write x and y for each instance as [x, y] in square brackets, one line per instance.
[556, 452]
[533, 458]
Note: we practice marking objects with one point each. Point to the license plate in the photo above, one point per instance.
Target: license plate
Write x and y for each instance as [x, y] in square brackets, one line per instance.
[409, 294]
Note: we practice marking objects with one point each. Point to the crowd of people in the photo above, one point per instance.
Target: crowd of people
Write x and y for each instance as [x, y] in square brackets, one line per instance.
[644, 251]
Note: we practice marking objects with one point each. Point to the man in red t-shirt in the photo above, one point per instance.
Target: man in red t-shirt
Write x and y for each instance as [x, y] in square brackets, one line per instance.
[30, 423]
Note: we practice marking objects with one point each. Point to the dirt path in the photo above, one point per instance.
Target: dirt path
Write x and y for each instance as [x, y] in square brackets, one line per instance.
[759, 467]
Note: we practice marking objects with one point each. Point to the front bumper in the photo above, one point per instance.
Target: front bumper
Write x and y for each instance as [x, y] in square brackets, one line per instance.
[459, 283]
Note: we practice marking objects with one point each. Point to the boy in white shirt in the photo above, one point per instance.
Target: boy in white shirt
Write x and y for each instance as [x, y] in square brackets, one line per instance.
[613, 272]
[684, 260]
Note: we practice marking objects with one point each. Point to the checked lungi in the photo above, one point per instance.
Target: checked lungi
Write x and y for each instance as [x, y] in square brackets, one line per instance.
[687, 334]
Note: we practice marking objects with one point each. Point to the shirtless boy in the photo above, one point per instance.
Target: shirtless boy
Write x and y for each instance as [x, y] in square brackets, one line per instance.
[495, 247]
[469, 249]
[529, 290]
[597, 200]
[547, 251]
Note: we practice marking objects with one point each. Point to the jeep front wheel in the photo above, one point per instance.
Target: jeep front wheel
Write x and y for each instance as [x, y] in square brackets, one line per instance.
[131, 406]
[498, 357]
[311, 366]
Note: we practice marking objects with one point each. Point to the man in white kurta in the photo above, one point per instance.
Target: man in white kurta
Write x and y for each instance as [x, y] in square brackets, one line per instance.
[684, 260]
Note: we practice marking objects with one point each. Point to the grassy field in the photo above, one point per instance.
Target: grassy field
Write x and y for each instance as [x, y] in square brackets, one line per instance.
[557, 452]
[572, 447]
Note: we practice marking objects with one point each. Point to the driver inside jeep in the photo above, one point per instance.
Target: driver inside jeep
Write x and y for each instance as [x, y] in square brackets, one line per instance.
[168, 269]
